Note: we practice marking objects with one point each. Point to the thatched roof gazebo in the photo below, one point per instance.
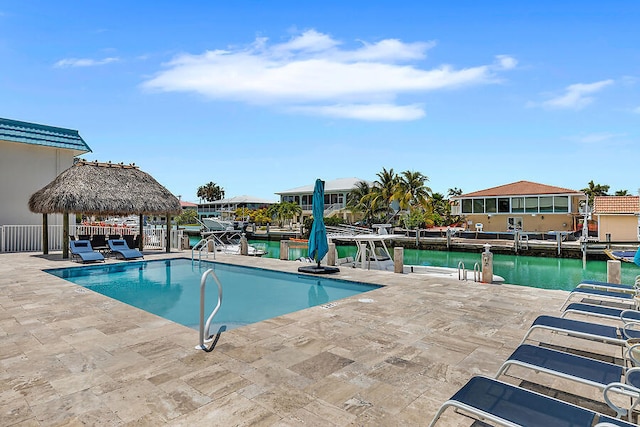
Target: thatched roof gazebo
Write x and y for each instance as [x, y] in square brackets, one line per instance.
[102, 189]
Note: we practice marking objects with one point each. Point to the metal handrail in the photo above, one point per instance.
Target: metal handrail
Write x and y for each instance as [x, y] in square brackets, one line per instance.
[207, 326]
[476, 272]
[200, 246]
[463, 270]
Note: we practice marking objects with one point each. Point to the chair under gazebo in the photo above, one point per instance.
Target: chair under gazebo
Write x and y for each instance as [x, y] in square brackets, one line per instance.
[103, 189]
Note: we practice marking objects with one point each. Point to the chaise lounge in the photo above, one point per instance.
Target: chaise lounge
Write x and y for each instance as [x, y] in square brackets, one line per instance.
[82, 250]
[585, 330]
[603, 375]
[622, 295]
[508, 405]
[121, 250]
[625, 315]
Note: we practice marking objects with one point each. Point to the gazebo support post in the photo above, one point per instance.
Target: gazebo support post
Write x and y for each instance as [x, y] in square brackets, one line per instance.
[45, 234]
[141, 232]
[65, 235]
[168, 242]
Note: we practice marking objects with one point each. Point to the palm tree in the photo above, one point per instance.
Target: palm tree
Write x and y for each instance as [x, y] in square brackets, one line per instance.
[454, 192]
[361, 200]
[411, 190]
[274, 211]
[290, 210]
[622, 193]
[440, 205]
[384, 190]
[594, 190]
[210, 192]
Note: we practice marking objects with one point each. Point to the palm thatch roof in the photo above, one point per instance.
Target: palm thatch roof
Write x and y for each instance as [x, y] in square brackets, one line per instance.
[104, 189]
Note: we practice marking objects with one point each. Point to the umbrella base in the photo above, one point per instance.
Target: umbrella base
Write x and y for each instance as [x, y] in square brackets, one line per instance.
[314, 269]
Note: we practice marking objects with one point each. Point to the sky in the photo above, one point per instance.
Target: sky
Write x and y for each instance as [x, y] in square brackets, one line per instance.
[261, 97]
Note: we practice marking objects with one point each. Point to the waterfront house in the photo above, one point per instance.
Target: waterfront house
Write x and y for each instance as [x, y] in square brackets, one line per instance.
[521, 206]
[618, 218]
[335, 197]
[226, 208]
[31, 156]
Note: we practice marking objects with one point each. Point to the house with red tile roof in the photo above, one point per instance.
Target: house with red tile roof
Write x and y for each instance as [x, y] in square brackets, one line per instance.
[618, 218]
[521, 206]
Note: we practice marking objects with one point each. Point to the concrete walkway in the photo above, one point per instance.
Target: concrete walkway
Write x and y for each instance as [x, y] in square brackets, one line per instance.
[69, 356]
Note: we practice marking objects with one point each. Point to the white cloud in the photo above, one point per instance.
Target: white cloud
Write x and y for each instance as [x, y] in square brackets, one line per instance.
[598, 137]
[315, 73]
[506, 62]
[369, 112]
[83, 62]
[576, 95]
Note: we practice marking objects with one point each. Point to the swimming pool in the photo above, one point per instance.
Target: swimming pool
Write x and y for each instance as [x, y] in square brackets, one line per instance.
[171, 289]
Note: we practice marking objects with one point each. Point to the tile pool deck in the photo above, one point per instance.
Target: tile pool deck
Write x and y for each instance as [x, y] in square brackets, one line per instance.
[69, 356]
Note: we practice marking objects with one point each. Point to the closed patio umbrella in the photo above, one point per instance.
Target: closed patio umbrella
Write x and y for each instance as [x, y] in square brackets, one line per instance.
[318, 244]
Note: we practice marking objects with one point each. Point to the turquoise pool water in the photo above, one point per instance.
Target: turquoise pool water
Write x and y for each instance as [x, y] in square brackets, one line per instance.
[537, 272]
[171, 289]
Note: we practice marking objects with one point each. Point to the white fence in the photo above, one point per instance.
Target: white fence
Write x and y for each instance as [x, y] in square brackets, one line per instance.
[28, 238]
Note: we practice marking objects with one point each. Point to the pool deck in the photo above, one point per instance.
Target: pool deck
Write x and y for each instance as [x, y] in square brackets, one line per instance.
[69, 356]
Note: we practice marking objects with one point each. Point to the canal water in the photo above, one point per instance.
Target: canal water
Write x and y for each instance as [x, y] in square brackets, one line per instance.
[537, 272]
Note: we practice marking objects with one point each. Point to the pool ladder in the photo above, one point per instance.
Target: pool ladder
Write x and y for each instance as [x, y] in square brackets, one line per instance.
[462, 272]
[203, 245]
[206, 326]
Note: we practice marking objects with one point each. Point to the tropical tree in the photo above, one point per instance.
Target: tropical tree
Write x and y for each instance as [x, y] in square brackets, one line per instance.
[594, 190]
[361, 200]
[290, 210]
[210, 192]
[454, 192]
[384, 190]
[622, 193]
[242, 213]
[411, 190]
[274, 212]
[416, 218]
[440, 208]
[284, 211]
[188, 216]
[260, 216]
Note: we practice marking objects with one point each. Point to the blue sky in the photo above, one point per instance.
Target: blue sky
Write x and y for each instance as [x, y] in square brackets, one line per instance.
[260, 97]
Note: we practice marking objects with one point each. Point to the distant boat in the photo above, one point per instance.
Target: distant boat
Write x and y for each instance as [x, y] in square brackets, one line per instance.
[626, 256]
[228, 242]
[217, 224]
[372, 254]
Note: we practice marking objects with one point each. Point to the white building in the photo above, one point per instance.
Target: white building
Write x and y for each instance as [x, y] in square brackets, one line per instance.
[31, 156]
[335, 197]
[226, 208]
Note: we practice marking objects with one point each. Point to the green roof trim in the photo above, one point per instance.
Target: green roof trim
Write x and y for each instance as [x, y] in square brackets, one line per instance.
[32, 133]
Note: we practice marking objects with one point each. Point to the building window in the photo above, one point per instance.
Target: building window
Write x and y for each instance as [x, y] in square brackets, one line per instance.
[561, 203]
[517, 204]
[503, 205]
[514, 223]
[531, 204]
[478, 205]
[490, 205]
[467, 206]
[546, 204]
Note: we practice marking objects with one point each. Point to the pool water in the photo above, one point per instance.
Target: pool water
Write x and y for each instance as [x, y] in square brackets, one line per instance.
[171, 289]
[537, 272]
